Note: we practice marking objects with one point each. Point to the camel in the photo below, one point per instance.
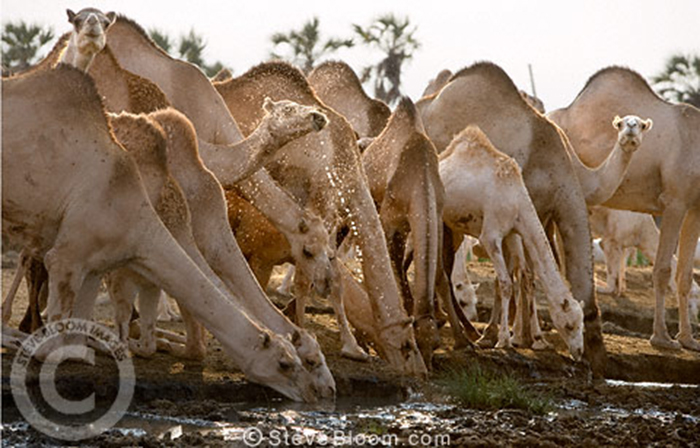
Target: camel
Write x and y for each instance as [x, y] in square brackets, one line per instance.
[402, 172]
[216, 132]
[73, 197]
[485, 196]
[324, 173]
[338, 86]
[661, 180]
[484, 95]
[88, 37]
[621, 230]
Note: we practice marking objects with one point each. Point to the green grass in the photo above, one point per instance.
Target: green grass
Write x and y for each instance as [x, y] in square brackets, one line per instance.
[478, 389]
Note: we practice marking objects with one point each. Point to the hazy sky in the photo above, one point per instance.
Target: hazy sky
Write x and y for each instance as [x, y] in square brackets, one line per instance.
[565, 41]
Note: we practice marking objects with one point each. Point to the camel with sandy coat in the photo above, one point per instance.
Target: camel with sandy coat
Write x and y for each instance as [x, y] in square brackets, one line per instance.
[661, 180]
[485, 196]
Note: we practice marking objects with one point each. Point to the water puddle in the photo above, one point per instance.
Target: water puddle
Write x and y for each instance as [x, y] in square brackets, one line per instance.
[385, 421]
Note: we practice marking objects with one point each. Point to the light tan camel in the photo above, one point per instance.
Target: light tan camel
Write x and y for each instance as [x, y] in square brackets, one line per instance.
[216, 132]
[484, 95]
[622, 229]
[662, 178]
[402, 172]
[485, 196]
[73, 196]
[324, 173]
[87, 38]
[338, 86]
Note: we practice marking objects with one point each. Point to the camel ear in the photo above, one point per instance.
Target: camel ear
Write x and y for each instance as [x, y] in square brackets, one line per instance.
[112, 16]
[265, 340]
[476, 286]
[617, 122]
[268, 104]
[647, 124]
[71, 15]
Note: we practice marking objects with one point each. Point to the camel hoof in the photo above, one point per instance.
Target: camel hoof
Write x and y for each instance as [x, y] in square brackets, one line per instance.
[689, 342]
[355, 353]
[504, 343]
[541, 344]
[664, 343]
[485, 342]
[138, 349]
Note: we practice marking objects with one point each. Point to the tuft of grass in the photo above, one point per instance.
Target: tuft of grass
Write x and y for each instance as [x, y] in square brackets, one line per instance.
[478, 389]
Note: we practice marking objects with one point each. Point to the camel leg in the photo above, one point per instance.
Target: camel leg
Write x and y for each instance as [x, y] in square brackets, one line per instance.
[493, 246]
[572, 222]
[668, 240]
[166, 311]
[123, 292]
[37, 290]
[286, 285]
[149, 295]
[690, 232]
[490, 336]
[10, 297]
[350, 349]
[463, 331]
[196, 347]
[614, 258]
[12, 339]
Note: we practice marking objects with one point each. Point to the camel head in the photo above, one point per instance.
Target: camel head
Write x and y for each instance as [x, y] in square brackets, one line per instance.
[312, 254]
[568, 320]
[287, 120]
[276, 364]
[398, 346]
[314, 362]
[90, 29]
[465, 294]
[631, 131]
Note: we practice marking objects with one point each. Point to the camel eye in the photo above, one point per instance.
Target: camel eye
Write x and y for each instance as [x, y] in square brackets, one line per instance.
[286, 366]
[459, 286]
[310, 363]
[307, 253]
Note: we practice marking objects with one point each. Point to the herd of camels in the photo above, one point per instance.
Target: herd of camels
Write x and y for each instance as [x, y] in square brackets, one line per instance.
[125, 167]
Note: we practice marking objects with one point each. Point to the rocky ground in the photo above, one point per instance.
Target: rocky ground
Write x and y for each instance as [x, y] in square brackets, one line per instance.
[375, 400]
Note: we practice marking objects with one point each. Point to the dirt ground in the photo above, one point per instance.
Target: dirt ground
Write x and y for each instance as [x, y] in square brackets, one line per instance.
[169, 385]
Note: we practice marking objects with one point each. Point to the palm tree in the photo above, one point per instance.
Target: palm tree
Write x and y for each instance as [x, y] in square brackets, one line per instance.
[21, 43]
[393, 37]
[190, 48]
[680, 80]
[306, 45]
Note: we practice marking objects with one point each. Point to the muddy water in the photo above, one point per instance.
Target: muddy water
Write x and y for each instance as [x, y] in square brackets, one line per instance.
[612, 413]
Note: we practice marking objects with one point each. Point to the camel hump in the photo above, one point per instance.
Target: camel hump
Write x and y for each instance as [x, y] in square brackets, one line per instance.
[334, 74]
[278, 70]
[141, 136]
[473, 144]
[629, 77]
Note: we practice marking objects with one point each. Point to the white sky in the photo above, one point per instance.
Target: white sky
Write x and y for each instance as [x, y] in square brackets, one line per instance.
[565, 41]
